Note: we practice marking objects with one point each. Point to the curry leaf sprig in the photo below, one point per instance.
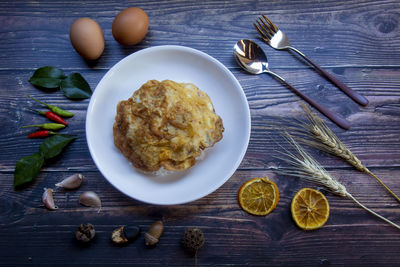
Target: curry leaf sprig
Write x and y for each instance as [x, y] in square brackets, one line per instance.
[73, 86]
[29, 167]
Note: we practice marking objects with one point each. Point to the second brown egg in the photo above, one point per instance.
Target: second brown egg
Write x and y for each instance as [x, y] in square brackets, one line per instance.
[130, 26]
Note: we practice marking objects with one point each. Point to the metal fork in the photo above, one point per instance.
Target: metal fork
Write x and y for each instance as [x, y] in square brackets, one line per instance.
[278, 39]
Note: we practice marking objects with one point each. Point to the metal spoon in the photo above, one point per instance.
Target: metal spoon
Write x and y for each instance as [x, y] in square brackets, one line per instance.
[252, 58]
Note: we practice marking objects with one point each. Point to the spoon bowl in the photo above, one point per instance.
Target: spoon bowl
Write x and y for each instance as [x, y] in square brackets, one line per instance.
[250, 56]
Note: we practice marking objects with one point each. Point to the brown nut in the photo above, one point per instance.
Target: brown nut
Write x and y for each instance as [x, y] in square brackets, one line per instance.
[155, 231]
[85, 232]
[124, 234]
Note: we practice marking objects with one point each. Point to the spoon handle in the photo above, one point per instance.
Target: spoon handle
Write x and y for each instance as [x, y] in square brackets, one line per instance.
[340, 121]
[347, 90]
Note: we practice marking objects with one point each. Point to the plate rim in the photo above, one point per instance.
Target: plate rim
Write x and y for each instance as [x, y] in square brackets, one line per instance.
[179, 48]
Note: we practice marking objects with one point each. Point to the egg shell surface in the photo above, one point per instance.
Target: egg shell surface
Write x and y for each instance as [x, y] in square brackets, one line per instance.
[130, 26]
[87, 38]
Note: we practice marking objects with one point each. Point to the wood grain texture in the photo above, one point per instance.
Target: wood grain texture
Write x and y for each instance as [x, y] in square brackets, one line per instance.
[357, 41]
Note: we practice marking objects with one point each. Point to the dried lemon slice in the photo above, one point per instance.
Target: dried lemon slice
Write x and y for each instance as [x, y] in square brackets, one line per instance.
[258, 196]
[310, 209]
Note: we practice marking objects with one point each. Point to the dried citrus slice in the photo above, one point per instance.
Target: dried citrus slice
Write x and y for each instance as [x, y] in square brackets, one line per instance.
[310, 209]
[258, 196]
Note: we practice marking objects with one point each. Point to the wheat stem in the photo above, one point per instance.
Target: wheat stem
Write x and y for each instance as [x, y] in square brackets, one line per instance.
[380, 181]
[373, 212]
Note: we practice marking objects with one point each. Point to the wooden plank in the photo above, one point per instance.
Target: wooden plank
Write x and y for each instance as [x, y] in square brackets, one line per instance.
[267, 99]
[332, 33]
[355, 40]
[49, 236]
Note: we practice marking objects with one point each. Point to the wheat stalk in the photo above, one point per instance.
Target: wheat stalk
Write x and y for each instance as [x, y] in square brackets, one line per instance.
[306, 167]
[324, 139]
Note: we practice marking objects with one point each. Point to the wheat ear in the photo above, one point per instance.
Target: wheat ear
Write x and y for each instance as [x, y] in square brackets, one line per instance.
[326, 140]
[306, 167]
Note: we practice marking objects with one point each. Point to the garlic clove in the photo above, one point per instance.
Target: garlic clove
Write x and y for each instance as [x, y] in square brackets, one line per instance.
[48, 200]
[71, 182]
[90, 199]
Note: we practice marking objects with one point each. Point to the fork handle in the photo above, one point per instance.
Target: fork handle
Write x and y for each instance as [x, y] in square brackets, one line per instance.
[347, 90]
[340, 121]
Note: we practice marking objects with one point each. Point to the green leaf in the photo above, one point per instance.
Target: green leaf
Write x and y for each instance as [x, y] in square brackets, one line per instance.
[49, 83]
[27, 169]
[54, 145]
[47, 77]
[75, 87]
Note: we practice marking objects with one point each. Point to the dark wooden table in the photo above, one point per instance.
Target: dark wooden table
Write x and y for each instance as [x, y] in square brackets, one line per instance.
[356, 40]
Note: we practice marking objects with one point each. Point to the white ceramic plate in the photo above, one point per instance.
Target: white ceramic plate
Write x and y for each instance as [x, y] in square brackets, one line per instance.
[180, 64]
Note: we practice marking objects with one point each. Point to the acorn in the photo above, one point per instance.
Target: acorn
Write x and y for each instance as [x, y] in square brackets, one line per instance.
[193, 239]
[155, 231]
[124, 234]
[85, 232]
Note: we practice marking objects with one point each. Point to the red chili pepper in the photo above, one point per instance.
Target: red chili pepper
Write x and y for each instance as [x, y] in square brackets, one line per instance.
[41, 134]
[51, 116]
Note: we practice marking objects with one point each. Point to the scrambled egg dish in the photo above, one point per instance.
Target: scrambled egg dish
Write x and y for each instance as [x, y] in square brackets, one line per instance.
[166, 124]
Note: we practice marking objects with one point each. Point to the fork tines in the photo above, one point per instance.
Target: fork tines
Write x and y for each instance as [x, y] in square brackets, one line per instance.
[265, 27]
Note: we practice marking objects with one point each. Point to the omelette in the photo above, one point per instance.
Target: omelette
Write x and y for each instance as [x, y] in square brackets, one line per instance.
[166, 125]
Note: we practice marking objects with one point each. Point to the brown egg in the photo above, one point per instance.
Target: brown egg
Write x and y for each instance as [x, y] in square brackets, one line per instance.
[87, 38]
[130, 26]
